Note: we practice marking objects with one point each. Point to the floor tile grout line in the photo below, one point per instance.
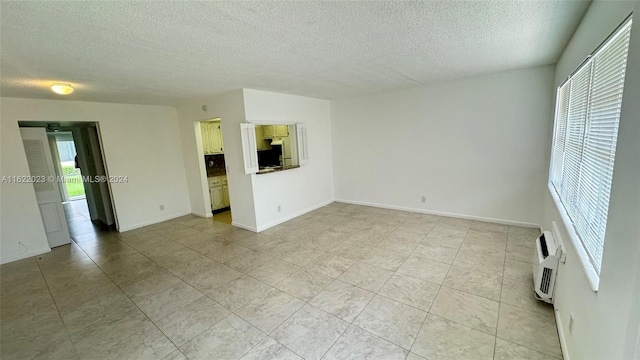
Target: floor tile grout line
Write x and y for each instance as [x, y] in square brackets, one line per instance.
[395, 272]
[329, 314]
[231, 312]
[138, 307]
[308, 303]
[234, 312]
[146, 278]
[499, 306]
[376, 293]
[117, 286]
[66, 330]
[352, 323]
[495, 342]
[529, 348]
[437, 293]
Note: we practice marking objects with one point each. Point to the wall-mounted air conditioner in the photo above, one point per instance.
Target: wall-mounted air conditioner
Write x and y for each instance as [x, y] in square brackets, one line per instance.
[545, 266]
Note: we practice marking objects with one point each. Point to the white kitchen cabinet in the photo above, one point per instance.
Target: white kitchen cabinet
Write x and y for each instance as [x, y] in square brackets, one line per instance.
[268, 131]
[211, 138]
[225, 196]
[219, 192]
[217, 201]
[225, 192]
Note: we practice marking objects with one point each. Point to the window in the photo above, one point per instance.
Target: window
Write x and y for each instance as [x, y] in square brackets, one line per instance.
[272, 147]
[584, 142]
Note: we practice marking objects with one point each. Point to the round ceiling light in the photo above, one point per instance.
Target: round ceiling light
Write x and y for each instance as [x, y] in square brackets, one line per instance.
[62, 89]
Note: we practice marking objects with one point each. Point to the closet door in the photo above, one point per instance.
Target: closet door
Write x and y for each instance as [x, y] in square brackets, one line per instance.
[36, 147]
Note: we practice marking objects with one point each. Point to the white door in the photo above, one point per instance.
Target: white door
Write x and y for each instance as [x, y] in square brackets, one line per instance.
[249, 150]
[303, 146]
[204, 132]
[36, 147]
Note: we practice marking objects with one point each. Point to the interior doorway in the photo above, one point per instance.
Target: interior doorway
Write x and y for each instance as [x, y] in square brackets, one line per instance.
[211, 152]
[78, 164]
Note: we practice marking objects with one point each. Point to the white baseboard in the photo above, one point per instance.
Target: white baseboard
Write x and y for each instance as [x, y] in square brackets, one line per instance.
[204, 215]
[154, 221]
[441, 213]
[293, 216]
[563, 339]
[25, 255]
[243, 226]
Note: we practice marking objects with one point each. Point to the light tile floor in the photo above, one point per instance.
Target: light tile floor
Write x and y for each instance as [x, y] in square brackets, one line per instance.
[223, 217]
[342, 282]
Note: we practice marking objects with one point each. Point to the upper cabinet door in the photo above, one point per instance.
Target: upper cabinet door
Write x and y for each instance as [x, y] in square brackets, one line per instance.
[249, 150]
[220, 138]
[281, 131]
[215, 138]
[211, 138]
[303, 146]
[268, 131]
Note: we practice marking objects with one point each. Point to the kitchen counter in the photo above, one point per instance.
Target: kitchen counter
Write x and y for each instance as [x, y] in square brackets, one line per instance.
[276, 169]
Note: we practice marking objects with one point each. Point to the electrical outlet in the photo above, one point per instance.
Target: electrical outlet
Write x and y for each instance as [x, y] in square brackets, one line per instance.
[423, 199]
[161, 207]
[278, 208]
[571, 319]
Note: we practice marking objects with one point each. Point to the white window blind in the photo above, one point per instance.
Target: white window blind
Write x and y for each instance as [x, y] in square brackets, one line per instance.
[584, 144]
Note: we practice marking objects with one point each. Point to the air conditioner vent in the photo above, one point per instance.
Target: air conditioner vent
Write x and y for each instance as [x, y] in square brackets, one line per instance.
[543, 246]
[546, 280]
[545, 267]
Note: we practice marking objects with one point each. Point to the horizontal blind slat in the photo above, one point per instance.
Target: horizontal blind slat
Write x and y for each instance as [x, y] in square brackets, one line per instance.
[585, 136]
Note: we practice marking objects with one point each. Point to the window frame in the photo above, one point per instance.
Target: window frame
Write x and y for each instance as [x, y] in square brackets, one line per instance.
[556, 189]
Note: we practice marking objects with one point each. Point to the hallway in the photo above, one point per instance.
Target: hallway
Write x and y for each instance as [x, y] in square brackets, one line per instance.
[79, 221]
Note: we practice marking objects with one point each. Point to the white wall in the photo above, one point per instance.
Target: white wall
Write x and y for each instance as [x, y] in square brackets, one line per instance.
[475, 147]
[606, 322]
[139, 141]
[229, 108]
[297, 191]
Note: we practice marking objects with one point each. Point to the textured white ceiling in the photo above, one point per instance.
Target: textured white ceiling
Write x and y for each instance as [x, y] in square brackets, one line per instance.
[165, 52]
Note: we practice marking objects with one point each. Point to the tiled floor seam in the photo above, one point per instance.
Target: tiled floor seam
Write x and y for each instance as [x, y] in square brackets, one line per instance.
[139, 309]
[306, 303]
[329, 348]
[66, 331]
[495, 342]
[119, 288]
[360, 312]
[136, 305]
[527, 347]
[376, 293]
[192, 285]
[437, 293]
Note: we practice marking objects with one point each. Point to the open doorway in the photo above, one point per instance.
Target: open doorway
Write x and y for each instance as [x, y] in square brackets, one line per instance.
[74, 200]
[210, 132]
[72, 188]
[75, 154]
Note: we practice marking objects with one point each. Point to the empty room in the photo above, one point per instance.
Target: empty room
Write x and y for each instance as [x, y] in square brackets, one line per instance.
[340, 180]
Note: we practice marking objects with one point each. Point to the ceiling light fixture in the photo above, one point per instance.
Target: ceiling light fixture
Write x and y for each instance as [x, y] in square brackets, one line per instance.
[62, 89]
